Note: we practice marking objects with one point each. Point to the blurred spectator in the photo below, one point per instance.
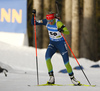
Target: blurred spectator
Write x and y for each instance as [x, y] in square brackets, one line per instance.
[4, 71]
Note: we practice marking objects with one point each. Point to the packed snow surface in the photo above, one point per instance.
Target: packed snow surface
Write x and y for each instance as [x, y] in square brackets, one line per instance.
[22, 75]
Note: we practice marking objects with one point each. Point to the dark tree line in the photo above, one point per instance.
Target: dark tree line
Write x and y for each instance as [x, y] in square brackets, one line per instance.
[81, 17]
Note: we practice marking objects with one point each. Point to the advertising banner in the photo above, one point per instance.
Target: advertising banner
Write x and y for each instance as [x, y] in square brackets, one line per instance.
[13, 16]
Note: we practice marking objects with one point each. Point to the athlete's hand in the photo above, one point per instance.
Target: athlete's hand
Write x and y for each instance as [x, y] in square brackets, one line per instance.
[33, 11]
[60, 30]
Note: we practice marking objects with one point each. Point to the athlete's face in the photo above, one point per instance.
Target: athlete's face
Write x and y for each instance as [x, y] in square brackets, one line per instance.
[51, 21]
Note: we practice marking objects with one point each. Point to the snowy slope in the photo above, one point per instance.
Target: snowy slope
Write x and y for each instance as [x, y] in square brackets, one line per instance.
[21, 64]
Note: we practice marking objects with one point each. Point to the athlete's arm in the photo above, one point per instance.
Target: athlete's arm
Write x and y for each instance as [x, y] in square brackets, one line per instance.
[39, 22]
[61, 26]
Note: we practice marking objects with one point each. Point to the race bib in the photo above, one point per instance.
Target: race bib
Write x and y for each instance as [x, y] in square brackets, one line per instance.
[55, 35]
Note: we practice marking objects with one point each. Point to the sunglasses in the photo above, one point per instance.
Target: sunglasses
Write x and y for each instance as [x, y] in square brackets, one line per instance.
[50, 20]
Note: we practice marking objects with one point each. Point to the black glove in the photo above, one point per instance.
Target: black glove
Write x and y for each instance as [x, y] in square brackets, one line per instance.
[60, 30]
[34, 11]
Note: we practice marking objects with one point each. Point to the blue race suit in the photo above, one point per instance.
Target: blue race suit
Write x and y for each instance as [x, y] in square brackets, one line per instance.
[57, 42]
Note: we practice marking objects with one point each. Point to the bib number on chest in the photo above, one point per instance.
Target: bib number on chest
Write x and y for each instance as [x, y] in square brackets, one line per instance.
[55, 35]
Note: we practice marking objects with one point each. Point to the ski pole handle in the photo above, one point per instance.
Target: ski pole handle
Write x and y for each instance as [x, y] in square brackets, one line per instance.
[34, 11]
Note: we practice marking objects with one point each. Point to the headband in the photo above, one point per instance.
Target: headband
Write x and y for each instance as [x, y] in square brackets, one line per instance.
[50, 16]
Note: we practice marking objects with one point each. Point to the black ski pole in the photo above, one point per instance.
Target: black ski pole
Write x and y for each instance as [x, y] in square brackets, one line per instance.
[57, 14]
[70, 48]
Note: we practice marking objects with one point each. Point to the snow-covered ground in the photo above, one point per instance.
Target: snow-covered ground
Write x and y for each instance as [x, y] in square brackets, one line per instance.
[21, 65]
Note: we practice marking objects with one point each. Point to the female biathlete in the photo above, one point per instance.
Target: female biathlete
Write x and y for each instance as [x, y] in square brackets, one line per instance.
[55, 28]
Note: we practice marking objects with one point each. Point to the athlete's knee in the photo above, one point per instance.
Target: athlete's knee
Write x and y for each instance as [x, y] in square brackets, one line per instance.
[48, 59]
[47, 56]
[65, 58]
[66, 63]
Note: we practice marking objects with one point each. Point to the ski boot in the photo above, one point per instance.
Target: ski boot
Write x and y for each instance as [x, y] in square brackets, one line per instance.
[52, 78]
[74, 81]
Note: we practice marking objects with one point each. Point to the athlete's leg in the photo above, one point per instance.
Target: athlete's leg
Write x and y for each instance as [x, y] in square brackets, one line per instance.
[64, 52]
[49, 53]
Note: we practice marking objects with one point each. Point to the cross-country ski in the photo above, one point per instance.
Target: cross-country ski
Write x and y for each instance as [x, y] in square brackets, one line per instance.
[66, 85]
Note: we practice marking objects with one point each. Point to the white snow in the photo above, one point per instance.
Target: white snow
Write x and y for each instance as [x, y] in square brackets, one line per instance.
[21, 64]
